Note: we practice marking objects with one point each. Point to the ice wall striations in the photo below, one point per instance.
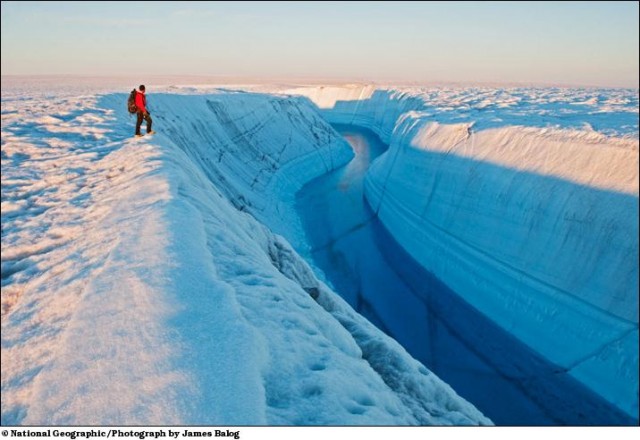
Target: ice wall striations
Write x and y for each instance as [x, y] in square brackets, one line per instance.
[365, 106]
[536, 226]
[259, 150]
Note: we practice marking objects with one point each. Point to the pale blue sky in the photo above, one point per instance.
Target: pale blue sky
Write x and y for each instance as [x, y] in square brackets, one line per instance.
[579, 43]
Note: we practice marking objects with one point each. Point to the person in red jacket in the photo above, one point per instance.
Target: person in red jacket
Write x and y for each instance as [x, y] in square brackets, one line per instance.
[143, 113]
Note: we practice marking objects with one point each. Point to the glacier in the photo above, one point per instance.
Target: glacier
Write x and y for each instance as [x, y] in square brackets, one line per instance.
[169, 279]
[148, 281]
[525, 204]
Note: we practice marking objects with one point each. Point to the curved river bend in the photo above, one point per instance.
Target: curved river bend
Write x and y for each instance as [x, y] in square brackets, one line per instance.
[502, 377]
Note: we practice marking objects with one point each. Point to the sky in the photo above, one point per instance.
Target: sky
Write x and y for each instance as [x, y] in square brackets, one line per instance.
[548, 43]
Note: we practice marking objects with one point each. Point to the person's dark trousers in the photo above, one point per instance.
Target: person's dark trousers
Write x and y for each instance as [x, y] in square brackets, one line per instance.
[147, 118]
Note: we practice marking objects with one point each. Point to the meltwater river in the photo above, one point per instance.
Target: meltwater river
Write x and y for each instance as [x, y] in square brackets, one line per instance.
[487, 366]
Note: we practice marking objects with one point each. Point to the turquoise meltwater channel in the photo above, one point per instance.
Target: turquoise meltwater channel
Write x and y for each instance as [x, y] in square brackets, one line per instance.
[502, 377]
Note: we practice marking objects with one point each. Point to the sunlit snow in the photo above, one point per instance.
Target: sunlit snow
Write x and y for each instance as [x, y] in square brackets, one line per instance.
[170, 279]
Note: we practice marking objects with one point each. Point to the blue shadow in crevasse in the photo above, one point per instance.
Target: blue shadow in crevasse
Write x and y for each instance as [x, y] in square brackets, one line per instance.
[504, 378]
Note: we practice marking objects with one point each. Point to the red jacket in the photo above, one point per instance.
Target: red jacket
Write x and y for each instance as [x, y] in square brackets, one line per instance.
[141, 102]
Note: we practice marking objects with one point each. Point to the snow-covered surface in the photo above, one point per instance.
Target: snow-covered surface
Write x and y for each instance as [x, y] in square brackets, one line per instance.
[524, 202]
[612, 112]
[140, 284]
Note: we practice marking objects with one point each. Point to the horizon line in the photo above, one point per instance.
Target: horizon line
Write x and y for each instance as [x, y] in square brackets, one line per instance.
[225, 79]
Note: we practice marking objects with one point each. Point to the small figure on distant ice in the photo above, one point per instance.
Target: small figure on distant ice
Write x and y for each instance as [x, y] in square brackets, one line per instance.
[138, 104]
